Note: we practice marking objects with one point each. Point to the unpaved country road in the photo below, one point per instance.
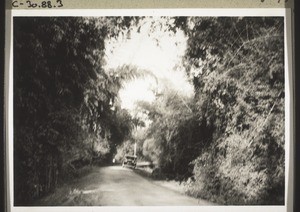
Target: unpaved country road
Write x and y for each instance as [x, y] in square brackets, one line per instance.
[117, 186]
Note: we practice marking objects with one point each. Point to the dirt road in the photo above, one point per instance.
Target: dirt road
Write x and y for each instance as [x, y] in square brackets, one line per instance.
[117, 186]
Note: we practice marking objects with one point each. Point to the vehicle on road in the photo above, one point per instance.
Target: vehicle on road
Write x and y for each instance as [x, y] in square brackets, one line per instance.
[129, 161]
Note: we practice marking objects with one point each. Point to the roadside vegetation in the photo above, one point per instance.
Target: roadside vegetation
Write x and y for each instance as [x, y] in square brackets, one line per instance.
[65, 104]
[225, 143]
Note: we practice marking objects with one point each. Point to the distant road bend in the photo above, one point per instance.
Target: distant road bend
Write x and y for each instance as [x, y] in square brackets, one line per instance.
[117, 186]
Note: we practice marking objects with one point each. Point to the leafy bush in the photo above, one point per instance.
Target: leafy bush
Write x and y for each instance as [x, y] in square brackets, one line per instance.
[237, 67]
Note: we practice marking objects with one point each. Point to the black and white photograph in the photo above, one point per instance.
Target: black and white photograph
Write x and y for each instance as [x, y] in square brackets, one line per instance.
[168, 110]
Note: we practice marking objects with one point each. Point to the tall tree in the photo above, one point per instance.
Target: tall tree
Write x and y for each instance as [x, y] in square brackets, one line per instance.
[63, 97]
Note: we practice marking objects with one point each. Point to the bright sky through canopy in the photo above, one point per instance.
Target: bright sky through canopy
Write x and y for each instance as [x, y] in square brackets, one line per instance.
[158, 51]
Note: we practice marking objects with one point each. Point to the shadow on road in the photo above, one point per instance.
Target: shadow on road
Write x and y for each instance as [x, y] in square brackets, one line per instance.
[118, 186]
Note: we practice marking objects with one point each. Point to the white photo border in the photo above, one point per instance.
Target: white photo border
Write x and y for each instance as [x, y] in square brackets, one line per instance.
[234, 12]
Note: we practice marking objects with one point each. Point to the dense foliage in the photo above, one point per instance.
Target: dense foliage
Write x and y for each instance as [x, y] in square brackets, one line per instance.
[237, 68]
[66, 112]
[226, 141]
[232, 130]
[175, 136]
